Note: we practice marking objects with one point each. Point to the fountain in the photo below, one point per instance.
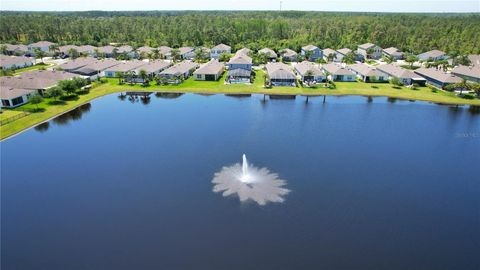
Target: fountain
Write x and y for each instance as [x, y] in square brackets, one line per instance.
[250, 183]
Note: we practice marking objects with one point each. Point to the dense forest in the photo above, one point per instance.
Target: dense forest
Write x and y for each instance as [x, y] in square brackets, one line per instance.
[254, 29]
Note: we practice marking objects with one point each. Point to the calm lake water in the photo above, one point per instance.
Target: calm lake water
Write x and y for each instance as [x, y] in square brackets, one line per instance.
[375, 184]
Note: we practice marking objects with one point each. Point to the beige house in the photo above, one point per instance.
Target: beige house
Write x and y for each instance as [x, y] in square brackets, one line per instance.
[211, 71]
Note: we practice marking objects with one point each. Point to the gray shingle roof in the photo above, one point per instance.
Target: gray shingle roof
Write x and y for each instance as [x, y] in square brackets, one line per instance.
[77, 63]
[289, 53]
[336, 69]
[180, 68]
[41, 44]
[222, 47]
[240, 59]
[14, 60]
[212, 67]
[279, 71]
[309, 47]
[154, 66]
[473, 72]
[269, 52]
[431, 54]
[438, 75]
[366, 46]
[97, 66]
[366, 70]
[304, 67]
[10, 92]
[126, 66]
[397, 71]
[344, 51]
[393, 51]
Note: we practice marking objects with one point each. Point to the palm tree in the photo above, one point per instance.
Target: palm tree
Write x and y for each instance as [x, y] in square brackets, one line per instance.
[175, 55]
[349, 58]
[199, 54]
[308, 55]
[155, 53]
[96, 51]
[73, 53]
[39, 53]
[411, 59]
[143, 74]
[331, 57]
[54, 49]
[388, 59]
[3, 49]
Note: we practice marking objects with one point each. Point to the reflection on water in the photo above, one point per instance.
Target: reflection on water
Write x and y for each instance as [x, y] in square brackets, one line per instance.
[73, 115]
[262, 187]
[168, 95]
[43, 127]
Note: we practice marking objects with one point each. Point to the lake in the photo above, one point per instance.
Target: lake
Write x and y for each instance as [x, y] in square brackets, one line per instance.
[375, 183]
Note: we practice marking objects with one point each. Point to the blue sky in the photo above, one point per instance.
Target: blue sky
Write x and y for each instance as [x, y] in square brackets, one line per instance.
[333, 5]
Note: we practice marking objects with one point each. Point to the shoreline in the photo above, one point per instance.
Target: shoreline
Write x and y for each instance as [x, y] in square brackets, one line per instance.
[97, 92]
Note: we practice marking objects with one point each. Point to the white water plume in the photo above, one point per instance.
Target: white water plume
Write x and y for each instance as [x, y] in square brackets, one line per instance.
[250, 183]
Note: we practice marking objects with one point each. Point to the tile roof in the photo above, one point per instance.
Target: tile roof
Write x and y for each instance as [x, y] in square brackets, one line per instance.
[41, 44]
[309, 47]
[180, 68]
[154, 66]
[240, 59]
[344, 51]
[269, 52]
[366, 46]
[77, 63]
[126, 66]
[288, 53]
[365, 70]
[222, 47]
[7, 92]
[397, 71]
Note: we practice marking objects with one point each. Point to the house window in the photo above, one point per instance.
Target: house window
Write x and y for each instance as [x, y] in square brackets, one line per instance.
[199, 76]
[6, 102]
[17, 100]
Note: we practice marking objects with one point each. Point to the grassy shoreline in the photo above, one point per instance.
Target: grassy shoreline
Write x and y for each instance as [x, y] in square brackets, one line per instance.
[218, 87]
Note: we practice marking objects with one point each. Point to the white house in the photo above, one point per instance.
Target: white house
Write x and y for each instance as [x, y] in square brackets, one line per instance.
[13, 97]
[210, 71]
[433, 55]
[216, 51]
[309, 72]
[14, 62]
[41, 45]
[367, 73]
[370, 51]
[338, 73]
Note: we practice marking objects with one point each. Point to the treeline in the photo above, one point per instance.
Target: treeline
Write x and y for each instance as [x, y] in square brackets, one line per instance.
[409, 32]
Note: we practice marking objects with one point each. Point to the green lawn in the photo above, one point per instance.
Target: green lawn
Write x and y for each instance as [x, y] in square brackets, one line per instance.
[47, 110]
[8, 113]
[34, 67]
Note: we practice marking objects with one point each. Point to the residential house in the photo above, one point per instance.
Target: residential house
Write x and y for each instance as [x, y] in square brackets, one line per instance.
[271, 54]
[153, 68]
[245, 51]
[186, 53]
[338, 73]
[311, 53]
[239, 68]
[280, 74]
[183, 69]
[75, 64]
[289, 55]
[438, 78]
[211, 71]
[474, 59]
[309, 72]
[41, 45]
[95, 69]
[14, 97]
[65, 50]
[19, 49]
[341, 53]
[128, 51]
[106, 51]
[433, 55]
[123, 68]
[14, 62]
[471, 74]
[406, 76]
[216, 51]
[145, 51]
[330, 55]
[36, 80]
[370, 51]
[367, 73]
[393, 52]
[165, 52]
[88, 50]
